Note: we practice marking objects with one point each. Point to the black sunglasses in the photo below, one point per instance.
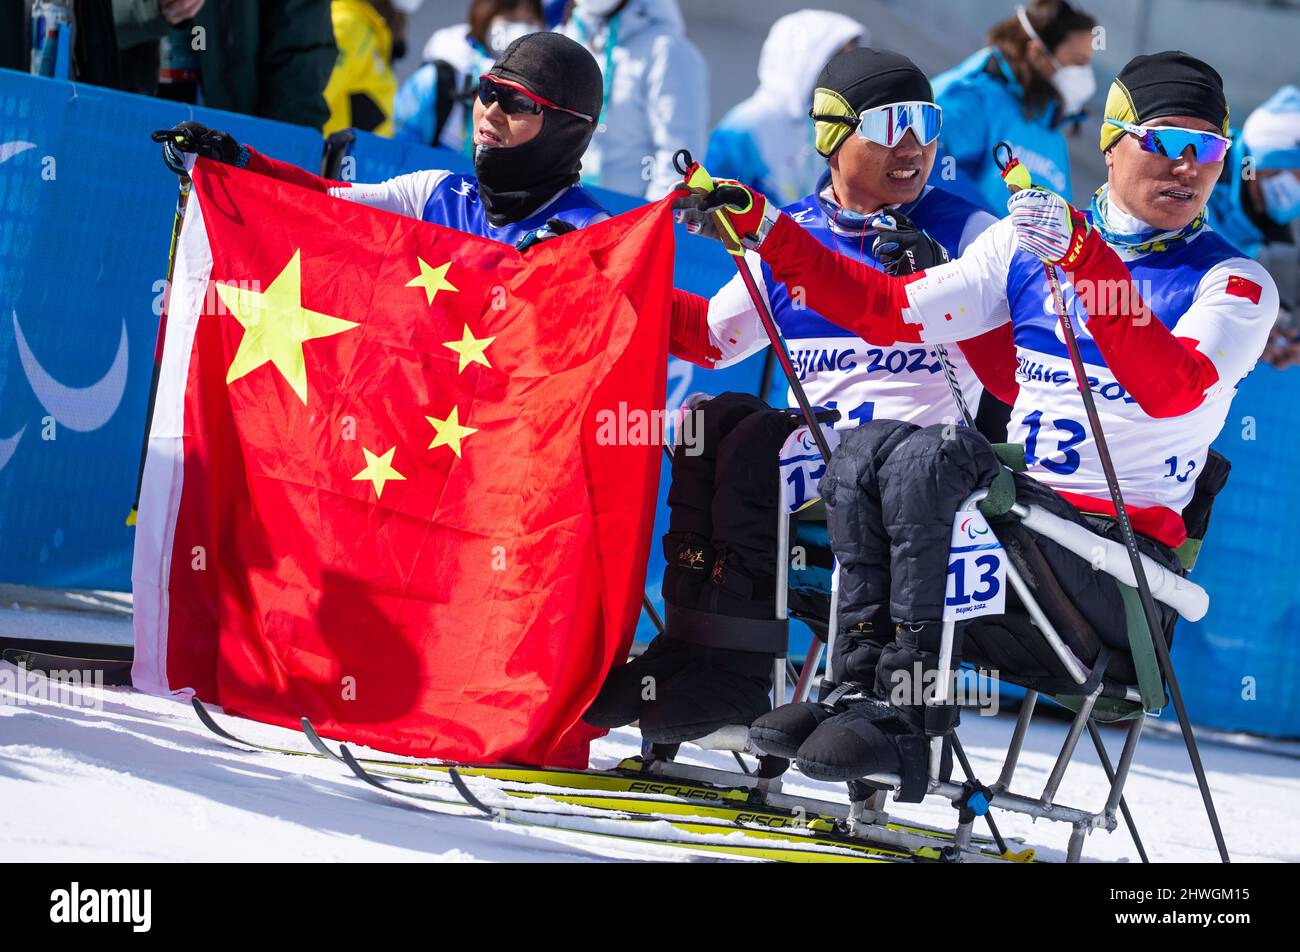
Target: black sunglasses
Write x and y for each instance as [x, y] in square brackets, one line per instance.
[515, 99]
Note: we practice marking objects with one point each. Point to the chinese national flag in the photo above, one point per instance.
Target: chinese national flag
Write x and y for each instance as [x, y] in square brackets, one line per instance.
[375, 494]
[1243, 287]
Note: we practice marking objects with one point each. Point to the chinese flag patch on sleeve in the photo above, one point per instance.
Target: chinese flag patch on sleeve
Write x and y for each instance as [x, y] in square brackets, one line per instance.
[1244, 287]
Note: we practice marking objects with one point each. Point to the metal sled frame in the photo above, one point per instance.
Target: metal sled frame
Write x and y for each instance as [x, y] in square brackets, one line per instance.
[868, 818]
[1044, 805]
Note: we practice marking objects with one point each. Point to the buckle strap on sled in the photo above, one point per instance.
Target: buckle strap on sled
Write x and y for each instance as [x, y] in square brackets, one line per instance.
[760, 635]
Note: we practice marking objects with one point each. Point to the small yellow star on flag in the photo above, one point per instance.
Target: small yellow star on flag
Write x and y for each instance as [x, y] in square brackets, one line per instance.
[470, 349]
[450, 432]
[379, 470]
[276, 325]
[432, 280]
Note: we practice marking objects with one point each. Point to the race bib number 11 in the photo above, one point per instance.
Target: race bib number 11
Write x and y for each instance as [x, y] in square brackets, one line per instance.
[977, 570]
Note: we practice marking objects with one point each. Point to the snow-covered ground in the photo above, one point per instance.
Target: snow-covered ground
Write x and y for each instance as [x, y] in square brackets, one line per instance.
[110, 774]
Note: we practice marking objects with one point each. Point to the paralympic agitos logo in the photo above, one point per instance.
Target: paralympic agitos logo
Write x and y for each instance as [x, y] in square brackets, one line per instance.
[81, 409]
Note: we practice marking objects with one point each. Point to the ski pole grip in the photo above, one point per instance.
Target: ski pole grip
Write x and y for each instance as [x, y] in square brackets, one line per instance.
[693, 174]
[1014, 173]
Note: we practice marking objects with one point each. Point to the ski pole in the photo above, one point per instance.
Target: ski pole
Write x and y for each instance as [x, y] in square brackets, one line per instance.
[683, 162]
[1017, 177]
[182, 199]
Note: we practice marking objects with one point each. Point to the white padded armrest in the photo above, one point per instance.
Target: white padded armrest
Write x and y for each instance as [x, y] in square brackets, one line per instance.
[1182, 595]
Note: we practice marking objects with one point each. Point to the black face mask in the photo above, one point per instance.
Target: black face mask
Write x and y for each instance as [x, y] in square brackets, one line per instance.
[515, 181]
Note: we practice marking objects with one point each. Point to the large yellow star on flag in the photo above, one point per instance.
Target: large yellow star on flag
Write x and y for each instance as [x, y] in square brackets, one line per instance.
[450, 432]
[379, 470]
[276, 325]
[432, 280]
[470, 349]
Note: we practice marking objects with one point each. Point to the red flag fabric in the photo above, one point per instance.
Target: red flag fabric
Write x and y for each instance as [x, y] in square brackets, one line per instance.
[382, 489]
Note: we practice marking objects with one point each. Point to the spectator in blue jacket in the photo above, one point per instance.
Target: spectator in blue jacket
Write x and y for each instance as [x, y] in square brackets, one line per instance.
[1033, 78]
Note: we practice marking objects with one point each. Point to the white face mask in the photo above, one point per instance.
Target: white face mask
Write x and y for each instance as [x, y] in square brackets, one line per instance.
[596, 8]
[501, 33]
[1076, 84]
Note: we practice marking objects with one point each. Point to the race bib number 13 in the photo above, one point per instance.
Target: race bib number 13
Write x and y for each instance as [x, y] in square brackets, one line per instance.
[977, 570]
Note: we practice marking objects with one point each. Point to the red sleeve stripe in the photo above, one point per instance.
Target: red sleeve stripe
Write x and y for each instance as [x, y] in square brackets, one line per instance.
[846, 292]
[992, 355]
[688, 334]
[1166, 375]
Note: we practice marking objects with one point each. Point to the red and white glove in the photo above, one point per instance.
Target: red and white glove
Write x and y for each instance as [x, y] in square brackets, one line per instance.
[1047, 226]
[702, 201]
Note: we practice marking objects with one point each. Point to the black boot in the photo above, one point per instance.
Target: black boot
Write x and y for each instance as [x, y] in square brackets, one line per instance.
[906, 672]
[782, 731]
[689, 559]
[728, 679]
[857, 652]
[629, 686]
[891, 735]
[731, 624]
[857, 649]
[717, 688]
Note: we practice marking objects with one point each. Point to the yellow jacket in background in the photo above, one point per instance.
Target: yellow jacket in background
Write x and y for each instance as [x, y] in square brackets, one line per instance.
[362, 86]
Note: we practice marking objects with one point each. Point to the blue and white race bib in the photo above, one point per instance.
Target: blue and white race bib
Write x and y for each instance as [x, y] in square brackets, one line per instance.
[977, 570]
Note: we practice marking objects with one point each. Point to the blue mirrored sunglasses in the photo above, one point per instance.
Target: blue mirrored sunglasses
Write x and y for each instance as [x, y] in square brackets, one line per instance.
[886, 125]
[1171, 142]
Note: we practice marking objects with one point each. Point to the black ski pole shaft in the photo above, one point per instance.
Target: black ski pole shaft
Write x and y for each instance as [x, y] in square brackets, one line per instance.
[182, 199]
[653, 612]
[1110, 776]
[954, 389]
[765, 377]
[970, 775]
[683, 162]
[1135, 557]
[782, 355]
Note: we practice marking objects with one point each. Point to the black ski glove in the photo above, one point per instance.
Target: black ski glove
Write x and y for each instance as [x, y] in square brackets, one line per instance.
[551, 229]
[196, 138]
[903, 248]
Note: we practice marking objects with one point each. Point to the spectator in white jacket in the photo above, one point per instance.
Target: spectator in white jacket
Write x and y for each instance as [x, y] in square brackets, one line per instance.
[656, 93]
[766, 141]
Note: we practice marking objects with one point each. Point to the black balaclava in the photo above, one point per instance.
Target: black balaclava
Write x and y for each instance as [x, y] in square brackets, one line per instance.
[857, 80]
[515, 181]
